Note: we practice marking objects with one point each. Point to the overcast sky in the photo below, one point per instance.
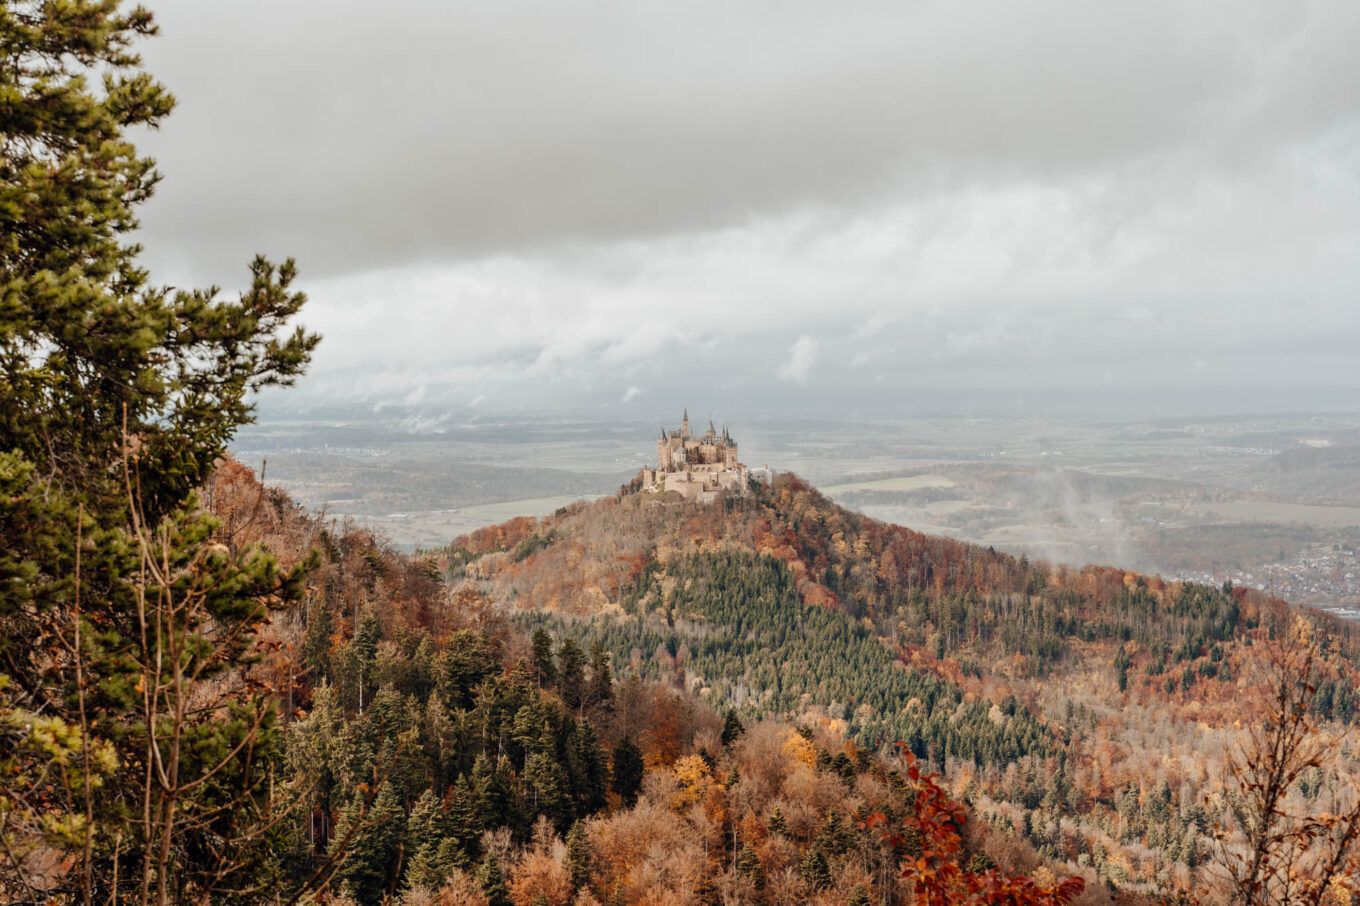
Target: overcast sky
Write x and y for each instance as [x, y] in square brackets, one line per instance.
[618, 205]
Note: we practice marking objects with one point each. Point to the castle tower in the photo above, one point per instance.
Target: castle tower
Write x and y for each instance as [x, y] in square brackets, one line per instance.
[684, 425]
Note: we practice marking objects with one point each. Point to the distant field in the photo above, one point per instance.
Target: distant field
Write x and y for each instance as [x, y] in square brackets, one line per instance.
[491, 513]
[908, 483]
[1285, 513]
[435, 528]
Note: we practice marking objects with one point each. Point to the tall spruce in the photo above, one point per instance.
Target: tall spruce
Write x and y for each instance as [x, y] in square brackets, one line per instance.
[628, 771]
[578, 860]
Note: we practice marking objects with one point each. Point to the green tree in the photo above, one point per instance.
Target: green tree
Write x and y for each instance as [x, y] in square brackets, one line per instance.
[1121, 666]
[586, 765]
[545, 671]
[814, 869]
[546, 791]
[116, 399]
[601, 675]
[494, 793]
[732, 728]
[578, 858]
[571, 677]
[748, 865]
[367, 842]
[628, 771]
[491, 875]
[464, 823]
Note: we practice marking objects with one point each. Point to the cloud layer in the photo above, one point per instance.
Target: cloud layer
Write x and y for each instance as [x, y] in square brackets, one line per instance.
[589, 202]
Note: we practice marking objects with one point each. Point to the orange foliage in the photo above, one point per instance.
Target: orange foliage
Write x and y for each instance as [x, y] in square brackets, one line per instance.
[937, 876]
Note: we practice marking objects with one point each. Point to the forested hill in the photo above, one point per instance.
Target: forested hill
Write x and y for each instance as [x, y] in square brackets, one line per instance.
[1088, 710]
[435, 750]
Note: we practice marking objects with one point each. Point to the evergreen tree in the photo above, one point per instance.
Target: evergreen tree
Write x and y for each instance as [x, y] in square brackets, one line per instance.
[106, 381]
[860, 897]
[467, 659]
[463, 821]
[546, 791]
[545, 671]
[814, 869]
[835, 836]
[494, 793]
[588, 771]
[369, 855]
[1121, 666]
[601, 676]
[571, 679]
[748, 865]
[425, 824]
[491, 875]
[578, 858]
[777, 823]
[365, 652]
[732, 728]
[628, 771]
[432, 855]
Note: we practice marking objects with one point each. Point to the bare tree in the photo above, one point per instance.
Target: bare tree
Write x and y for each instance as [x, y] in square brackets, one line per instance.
[1276, 846]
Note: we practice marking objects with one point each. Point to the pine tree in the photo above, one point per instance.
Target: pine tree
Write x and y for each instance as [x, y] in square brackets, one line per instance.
[777, 823]
[370, 852]
[835, 836]
[571, 679]
[491, 875]
[462, 821]
[106, 381]
[860, 897]
[815, 870]
[494, 794]
[601, 676]
[587, 769]
[732, 728]
[578, 858]
[546, 791]
[628, 771]
[545, 671]
[748, 865]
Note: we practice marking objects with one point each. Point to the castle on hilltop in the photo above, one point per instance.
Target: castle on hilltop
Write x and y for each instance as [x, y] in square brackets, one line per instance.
[696, 467]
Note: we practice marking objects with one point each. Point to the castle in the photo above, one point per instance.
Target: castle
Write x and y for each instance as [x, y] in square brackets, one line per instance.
[697, 468]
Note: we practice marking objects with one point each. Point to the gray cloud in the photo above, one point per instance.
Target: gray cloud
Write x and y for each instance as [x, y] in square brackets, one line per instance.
[603, 195]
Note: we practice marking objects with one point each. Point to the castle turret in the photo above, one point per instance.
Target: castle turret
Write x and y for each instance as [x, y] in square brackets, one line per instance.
[684, 425]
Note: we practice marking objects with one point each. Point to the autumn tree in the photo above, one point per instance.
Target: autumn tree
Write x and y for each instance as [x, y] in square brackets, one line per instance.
[1275, 846]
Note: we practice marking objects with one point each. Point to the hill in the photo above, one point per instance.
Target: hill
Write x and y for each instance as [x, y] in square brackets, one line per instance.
[1087, 711]
[437, 750]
